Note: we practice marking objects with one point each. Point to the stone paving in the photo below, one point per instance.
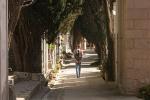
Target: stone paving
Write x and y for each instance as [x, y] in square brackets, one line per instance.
[25, 89]
[90, 86]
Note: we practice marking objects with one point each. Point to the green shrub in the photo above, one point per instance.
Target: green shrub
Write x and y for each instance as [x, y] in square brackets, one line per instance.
[144, 91]
[51, 46]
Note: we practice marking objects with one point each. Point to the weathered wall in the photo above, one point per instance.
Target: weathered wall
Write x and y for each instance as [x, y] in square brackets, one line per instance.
[134, 46]
[3, 51]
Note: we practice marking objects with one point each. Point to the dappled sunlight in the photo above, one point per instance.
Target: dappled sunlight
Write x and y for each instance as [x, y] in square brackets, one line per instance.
[90, 70]
[90, 85]
[68, 65]
[89, 62]
[20, 98]
[70, 84]
[88, 54]
[71, 72]
[83, 76]
[67, 77]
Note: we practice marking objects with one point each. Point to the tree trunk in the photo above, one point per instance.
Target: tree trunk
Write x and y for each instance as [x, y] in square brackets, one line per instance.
[27, 46]
[110, 61]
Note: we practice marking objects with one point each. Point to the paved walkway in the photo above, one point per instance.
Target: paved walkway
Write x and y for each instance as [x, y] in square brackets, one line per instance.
[25, 89]
[89, 87]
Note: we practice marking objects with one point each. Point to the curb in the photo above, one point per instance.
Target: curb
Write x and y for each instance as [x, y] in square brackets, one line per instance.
[26, 89]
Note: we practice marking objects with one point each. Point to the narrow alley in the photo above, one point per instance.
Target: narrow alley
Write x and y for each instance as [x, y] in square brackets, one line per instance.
[90, 86]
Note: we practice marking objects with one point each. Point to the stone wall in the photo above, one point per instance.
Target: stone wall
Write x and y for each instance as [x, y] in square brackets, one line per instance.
[134, 45]
[3, 51]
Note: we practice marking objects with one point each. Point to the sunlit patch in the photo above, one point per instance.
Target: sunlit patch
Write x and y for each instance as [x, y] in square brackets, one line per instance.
[20, 98]
[91, 54]
[89, 62]
[67, 77]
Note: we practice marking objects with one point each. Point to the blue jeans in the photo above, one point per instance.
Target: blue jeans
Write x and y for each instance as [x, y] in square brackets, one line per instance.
[78, 69]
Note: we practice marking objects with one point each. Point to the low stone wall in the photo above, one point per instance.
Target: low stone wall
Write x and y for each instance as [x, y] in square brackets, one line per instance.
[27, 76]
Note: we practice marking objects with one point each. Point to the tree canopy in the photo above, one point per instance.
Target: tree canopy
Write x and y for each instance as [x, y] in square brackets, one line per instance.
[36, 20]
[94, 24]
[31, 20]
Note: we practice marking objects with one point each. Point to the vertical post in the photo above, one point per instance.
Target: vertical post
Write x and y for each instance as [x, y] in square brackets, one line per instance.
[116, 26]
[121, 17]
[67, 42]
[3, 51]
[42, 49]
[84, 44]
[46, 58]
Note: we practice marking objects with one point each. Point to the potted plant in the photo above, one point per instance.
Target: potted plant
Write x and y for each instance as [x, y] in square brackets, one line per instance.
[144, 92]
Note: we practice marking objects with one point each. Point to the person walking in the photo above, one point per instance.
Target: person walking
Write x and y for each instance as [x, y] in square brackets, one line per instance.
[78, 57]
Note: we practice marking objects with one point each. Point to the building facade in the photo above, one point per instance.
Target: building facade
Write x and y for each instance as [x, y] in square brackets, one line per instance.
[133, 45]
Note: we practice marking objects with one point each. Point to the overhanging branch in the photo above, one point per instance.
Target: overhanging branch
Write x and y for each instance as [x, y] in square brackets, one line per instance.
[28, 2]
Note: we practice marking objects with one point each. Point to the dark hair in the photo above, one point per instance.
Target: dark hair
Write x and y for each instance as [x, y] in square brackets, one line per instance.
[78, 46]
[78, 52]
